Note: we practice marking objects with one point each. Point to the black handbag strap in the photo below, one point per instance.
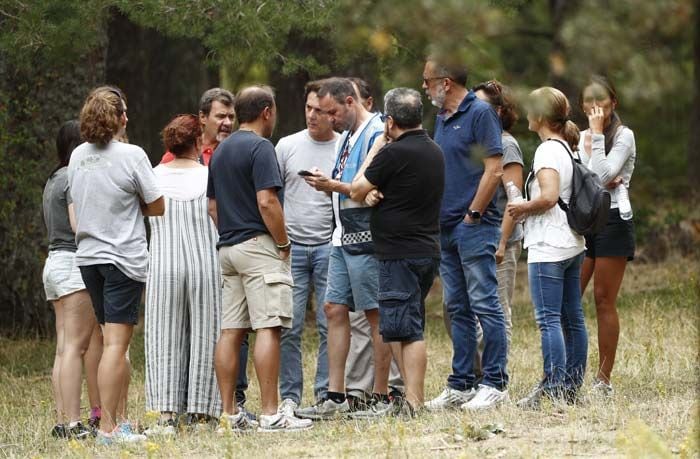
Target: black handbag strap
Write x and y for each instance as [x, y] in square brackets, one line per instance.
[531, 176]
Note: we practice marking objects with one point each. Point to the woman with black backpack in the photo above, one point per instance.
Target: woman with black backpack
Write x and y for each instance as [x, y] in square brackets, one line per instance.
[555, 250]
[608, 149]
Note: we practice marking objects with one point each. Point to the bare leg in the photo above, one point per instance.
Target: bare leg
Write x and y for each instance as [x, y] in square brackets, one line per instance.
[122, 407]
[397, 353]
[92, 362]
[382, 354]
[226, 362]
[78, 323]
[113, 370]
[415, 359]
[586, 273]
[267, 367]
[338, 341]
[56, 372]
[606, 285]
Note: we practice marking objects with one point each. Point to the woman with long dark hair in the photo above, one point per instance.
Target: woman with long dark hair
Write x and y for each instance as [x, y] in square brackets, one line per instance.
[113, 187]
[608, 148]
[555, 251]
[65, 289]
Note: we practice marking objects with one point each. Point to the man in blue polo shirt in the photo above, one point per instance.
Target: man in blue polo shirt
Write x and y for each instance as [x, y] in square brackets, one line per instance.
[469, 133]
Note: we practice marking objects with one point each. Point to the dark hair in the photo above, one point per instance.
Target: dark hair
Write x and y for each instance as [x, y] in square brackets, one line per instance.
[552, 105]
[338, 88]
[251, 101]
[615, 121]
[212, 95]
[364, 89]
[67, 139]
[405, 107]
[181, 134]
[451, 68]
[311, 86]
[500, 96]
[100, 117]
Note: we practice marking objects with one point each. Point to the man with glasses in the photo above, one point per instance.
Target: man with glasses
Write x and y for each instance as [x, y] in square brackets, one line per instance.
[469, 132]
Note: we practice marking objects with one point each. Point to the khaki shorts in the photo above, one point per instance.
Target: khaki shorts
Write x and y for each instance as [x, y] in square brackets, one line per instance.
[257, 285]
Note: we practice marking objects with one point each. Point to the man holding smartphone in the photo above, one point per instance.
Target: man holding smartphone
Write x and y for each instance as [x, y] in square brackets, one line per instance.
[308, 214]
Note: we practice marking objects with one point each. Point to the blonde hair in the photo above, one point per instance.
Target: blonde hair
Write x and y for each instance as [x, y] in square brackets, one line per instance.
[100, 117]
[553, 107]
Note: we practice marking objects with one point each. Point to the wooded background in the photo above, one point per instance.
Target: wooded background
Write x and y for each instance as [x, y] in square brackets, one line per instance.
[164, 54]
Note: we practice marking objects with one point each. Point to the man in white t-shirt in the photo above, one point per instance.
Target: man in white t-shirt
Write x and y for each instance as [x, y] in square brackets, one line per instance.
[309, 216]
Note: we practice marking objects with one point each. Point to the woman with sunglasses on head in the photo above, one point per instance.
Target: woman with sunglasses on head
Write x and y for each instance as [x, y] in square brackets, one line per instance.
[555, 251]
[113, 187]
[183, 292]
[510, 244]
[608, 149]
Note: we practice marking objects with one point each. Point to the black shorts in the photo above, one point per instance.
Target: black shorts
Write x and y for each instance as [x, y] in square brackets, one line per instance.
[403, 286]
[616, 239]
[115, 296]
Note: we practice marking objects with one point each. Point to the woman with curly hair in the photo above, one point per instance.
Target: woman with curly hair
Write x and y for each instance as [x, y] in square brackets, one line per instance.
[183, 293]
[113, 187]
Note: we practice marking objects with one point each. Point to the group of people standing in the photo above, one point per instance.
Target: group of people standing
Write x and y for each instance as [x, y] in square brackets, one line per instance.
[361, 208]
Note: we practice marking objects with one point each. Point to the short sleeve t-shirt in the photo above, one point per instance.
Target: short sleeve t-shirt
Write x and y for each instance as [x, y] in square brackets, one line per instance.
[243, 164]
[511, 155]
[472, 133]
[548, 236]
[410, 173]
[308, 213]
[55, 200]
[107, 185]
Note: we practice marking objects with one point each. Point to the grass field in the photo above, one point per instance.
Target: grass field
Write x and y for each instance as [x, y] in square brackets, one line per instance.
[655, 411]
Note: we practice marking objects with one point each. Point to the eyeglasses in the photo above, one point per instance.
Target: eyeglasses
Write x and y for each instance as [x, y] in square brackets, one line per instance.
[383, 117]
[429, 79]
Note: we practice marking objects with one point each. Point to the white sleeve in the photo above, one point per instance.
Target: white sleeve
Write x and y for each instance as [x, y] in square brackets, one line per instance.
[610, 166]
[548, 156]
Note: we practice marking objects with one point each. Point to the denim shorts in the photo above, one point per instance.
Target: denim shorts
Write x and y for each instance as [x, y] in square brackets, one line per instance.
[61, 276]
[403, 286]
[352, 280]
[115, 296]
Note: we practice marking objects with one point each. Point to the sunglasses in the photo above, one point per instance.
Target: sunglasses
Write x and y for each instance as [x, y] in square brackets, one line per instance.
[429, 79]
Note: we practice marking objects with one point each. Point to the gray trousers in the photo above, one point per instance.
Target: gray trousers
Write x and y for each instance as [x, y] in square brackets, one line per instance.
[359, 368]
[505, 274]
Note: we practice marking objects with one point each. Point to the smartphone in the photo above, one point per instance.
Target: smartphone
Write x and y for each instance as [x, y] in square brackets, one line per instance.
[305, 173]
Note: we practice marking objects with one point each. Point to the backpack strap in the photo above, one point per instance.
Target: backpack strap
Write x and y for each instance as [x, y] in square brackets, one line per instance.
[564, 206]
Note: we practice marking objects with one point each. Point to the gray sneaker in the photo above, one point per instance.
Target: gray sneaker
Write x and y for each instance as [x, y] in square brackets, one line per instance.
[602, 389]
[238, 423]
[378, 408]
[533, 399]
[450, 398]
[324, 409]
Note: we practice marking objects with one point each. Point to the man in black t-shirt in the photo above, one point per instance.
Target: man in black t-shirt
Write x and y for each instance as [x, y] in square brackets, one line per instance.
[244, 182]
[406, 177]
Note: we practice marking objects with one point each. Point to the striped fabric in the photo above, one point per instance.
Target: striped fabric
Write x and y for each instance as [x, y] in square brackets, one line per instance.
[183, 310]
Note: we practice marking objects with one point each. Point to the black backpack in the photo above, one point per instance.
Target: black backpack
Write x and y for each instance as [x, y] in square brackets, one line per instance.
[587, 211]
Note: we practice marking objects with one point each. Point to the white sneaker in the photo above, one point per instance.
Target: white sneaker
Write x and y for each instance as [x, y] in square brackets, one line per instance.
[161, 429]
[486, 397]
[282, 423]
[602, 389]
[239, 423]
[450, 398]
[287, 407]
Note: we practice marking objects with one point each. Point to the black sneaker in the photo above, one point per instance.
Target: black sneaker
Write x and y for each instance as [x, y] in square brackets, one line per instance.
[58, 431]
[357, 403]
[400, 408]
[78, 431]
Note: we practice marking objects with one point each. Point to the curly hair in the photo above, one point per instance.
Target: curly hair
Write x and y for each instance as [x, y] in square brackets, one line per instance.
[100, 117]
[181, 134]
[500, 96]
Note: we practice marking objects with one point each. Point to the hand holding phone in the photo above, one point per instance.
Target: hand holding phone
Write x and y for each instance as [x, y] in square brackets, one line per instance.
[304, 173]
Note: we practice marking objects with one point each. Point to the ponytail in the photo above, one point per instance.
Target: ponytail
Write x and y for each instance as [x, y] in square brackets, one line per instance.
[571, 134]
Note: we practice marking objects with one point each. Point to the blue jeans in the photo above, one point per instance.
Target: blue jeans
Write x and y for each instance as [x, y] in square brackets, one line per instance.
[242, 379]
[309, 265]
[556, 294]
[468, 271]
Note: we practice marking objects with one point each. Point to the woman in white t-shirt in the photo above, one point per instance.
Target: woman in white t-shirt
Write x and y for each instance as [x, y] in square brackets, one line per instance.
[555, 251]
[183, 290]
[608, 149]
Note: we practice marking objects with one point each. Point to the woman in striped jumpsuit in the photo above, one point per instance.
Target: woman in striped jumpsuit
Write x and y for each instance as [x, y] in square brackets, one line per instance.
[183, 293]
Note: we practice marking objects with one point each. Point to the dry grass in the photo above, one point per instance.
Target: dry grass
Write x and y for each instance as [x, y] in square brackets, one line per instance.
[654, 413]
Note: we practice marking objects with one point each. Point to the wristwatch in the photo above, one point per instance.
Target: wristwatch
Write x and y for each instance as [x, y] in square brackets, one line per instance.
[475, 215]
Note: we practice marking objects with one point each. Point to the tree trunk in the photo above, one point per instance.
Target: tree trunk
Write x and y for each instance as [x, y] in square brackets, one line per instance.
[694, 136]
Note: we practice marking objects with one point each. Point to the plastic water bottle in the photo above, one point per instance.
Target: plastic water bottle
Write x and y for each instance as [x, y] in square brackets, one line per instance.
[623, 201]
[514, 196]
